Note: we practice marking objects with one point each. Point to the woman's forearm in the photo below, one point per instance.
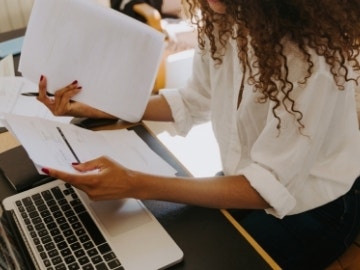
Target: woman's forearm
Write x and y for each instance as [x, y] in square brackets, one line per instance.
[207, 192]
[83, 110]
[157, 109]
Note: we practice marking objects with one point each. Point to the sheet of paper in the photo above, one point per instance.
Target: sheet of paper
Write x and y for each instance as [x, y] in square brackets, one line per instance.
[7, 68]
[134, 153]
[11, 100]
[56, 145]
[114, 57]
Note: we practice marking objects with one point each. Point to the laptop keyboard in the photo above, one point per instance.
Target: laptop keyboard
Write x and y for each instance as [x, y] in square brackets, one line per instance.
[64, 233]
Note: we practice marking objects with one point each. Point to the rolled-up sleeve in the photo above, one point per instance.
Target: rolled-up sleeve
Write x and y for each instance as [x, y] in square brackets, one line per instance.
[182, 119]
[269, 187]
[191, 105]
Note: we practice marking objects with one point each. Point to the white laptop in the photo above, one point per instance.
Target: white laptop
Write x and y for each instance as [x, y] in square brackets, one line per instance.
[52, 226]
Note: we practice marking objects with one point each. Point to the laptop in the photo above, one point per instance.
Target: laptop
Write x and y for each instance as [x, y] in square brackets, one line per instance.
[56, 226]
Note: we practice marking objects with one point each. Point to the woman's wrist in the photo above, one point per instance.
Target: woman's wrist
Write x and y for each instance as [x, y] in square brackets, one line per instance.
[78, 109]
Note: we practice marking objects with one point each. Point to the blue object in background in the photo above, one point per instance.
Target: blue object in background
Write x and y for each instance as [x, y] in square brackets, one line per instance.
[11, 46]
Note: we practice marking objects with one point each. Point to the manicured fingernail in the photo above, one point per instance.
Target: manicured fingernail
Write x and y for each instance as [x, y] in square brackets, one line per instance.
[45, 170]
[41, 78]
[74, 82]
[75, 163]
[79, 87]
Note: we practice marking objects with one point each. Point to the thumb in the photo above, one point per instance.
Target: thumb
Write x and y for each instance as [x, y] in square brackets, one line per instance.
[90, 165]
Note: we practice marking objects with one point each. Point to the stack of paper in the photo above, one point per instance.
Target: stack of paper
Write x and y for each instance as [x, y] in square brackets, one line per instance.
[57, 145]
[114, 57]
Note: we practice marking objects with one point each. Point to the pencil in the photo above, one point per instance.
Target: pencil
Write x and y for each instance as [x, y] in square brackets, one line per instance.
[68, 144]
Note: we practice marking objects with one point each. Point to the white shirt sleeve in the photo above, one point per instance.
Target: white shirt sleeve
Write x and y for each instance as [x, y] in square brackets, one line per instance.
[191, 105]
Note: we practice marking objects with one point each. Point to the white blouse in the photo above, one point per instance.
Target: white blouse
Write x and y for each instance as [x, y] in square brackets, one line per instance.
[293, 170]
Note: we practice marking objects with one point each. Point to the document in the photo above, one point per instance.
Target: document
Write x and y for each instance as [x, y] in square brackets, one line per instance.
[12, 100]
[51, 144]
[114, 57]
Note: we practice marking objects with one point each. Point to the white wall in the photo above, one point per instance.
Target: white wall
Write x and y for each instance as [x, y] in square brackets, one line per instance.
[14, 14]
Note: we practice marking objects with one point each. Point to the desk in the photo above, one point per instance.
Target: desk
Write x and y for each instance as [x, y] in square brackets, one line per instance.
[209, 238]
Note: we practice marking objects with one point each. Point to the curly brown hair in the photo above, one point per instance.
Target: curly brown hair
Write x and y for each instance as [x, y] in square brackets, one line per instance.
[331, 28]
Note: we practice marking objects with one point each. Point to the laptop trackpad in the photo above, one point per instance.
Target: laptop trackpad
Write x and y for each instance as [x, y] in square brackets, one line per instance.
[119, 216]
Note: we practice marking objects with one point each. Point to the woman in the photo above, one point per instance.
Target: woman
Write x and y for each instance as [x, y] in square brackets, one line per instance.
[277, 80]
[167, 8]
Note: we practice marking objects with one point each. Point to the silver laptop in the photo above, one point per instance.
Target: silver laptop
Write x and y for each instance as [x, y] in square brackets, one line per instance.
[56, 226]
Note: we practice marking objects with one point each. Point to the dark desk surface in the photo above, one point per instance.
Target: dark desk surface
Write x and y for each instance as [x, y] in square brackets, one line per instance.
[209, 238]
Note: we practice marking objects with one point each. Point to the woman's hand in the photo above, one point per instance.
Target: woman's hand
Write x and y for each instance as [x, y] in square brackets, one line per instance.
[109, 180]
[61, 103]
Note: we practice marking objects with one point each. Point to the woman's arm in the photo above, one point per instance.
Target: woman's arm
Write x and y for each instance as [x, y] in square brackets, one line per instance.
[113, 181]
[216, 192]
[158, 109]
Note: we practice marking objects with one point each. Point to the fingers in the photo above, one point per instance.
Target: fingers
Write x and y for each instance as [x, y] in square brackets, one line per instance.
[67, 177]
[60, 104]
[68, 91]
[96, 164]
[92, 165]
[104, 183]
[43, 97]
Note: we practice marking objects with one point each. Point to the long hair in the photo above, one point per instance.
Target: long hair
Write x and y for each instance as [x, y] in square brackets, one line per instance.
[330, 28]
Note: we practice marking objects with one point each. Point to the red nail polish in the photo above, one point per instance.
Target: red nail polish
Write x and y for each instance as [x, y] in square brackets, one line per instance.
[75, 163]
[41, 78]
[79, 87]
[45, 170]
[74, 82]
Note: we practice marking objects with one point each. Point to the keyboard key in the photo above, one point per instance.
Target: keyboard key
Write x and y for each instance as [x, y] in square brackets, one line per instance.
[57, 193]
[101, 266]
[62, 245]
[105, 248]
[70, 259]
[79, 253]
[84, 260]
[92, 228]
[110, 256]
[53, 253]
[74, 266]
[65, 252]
[113, 264]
